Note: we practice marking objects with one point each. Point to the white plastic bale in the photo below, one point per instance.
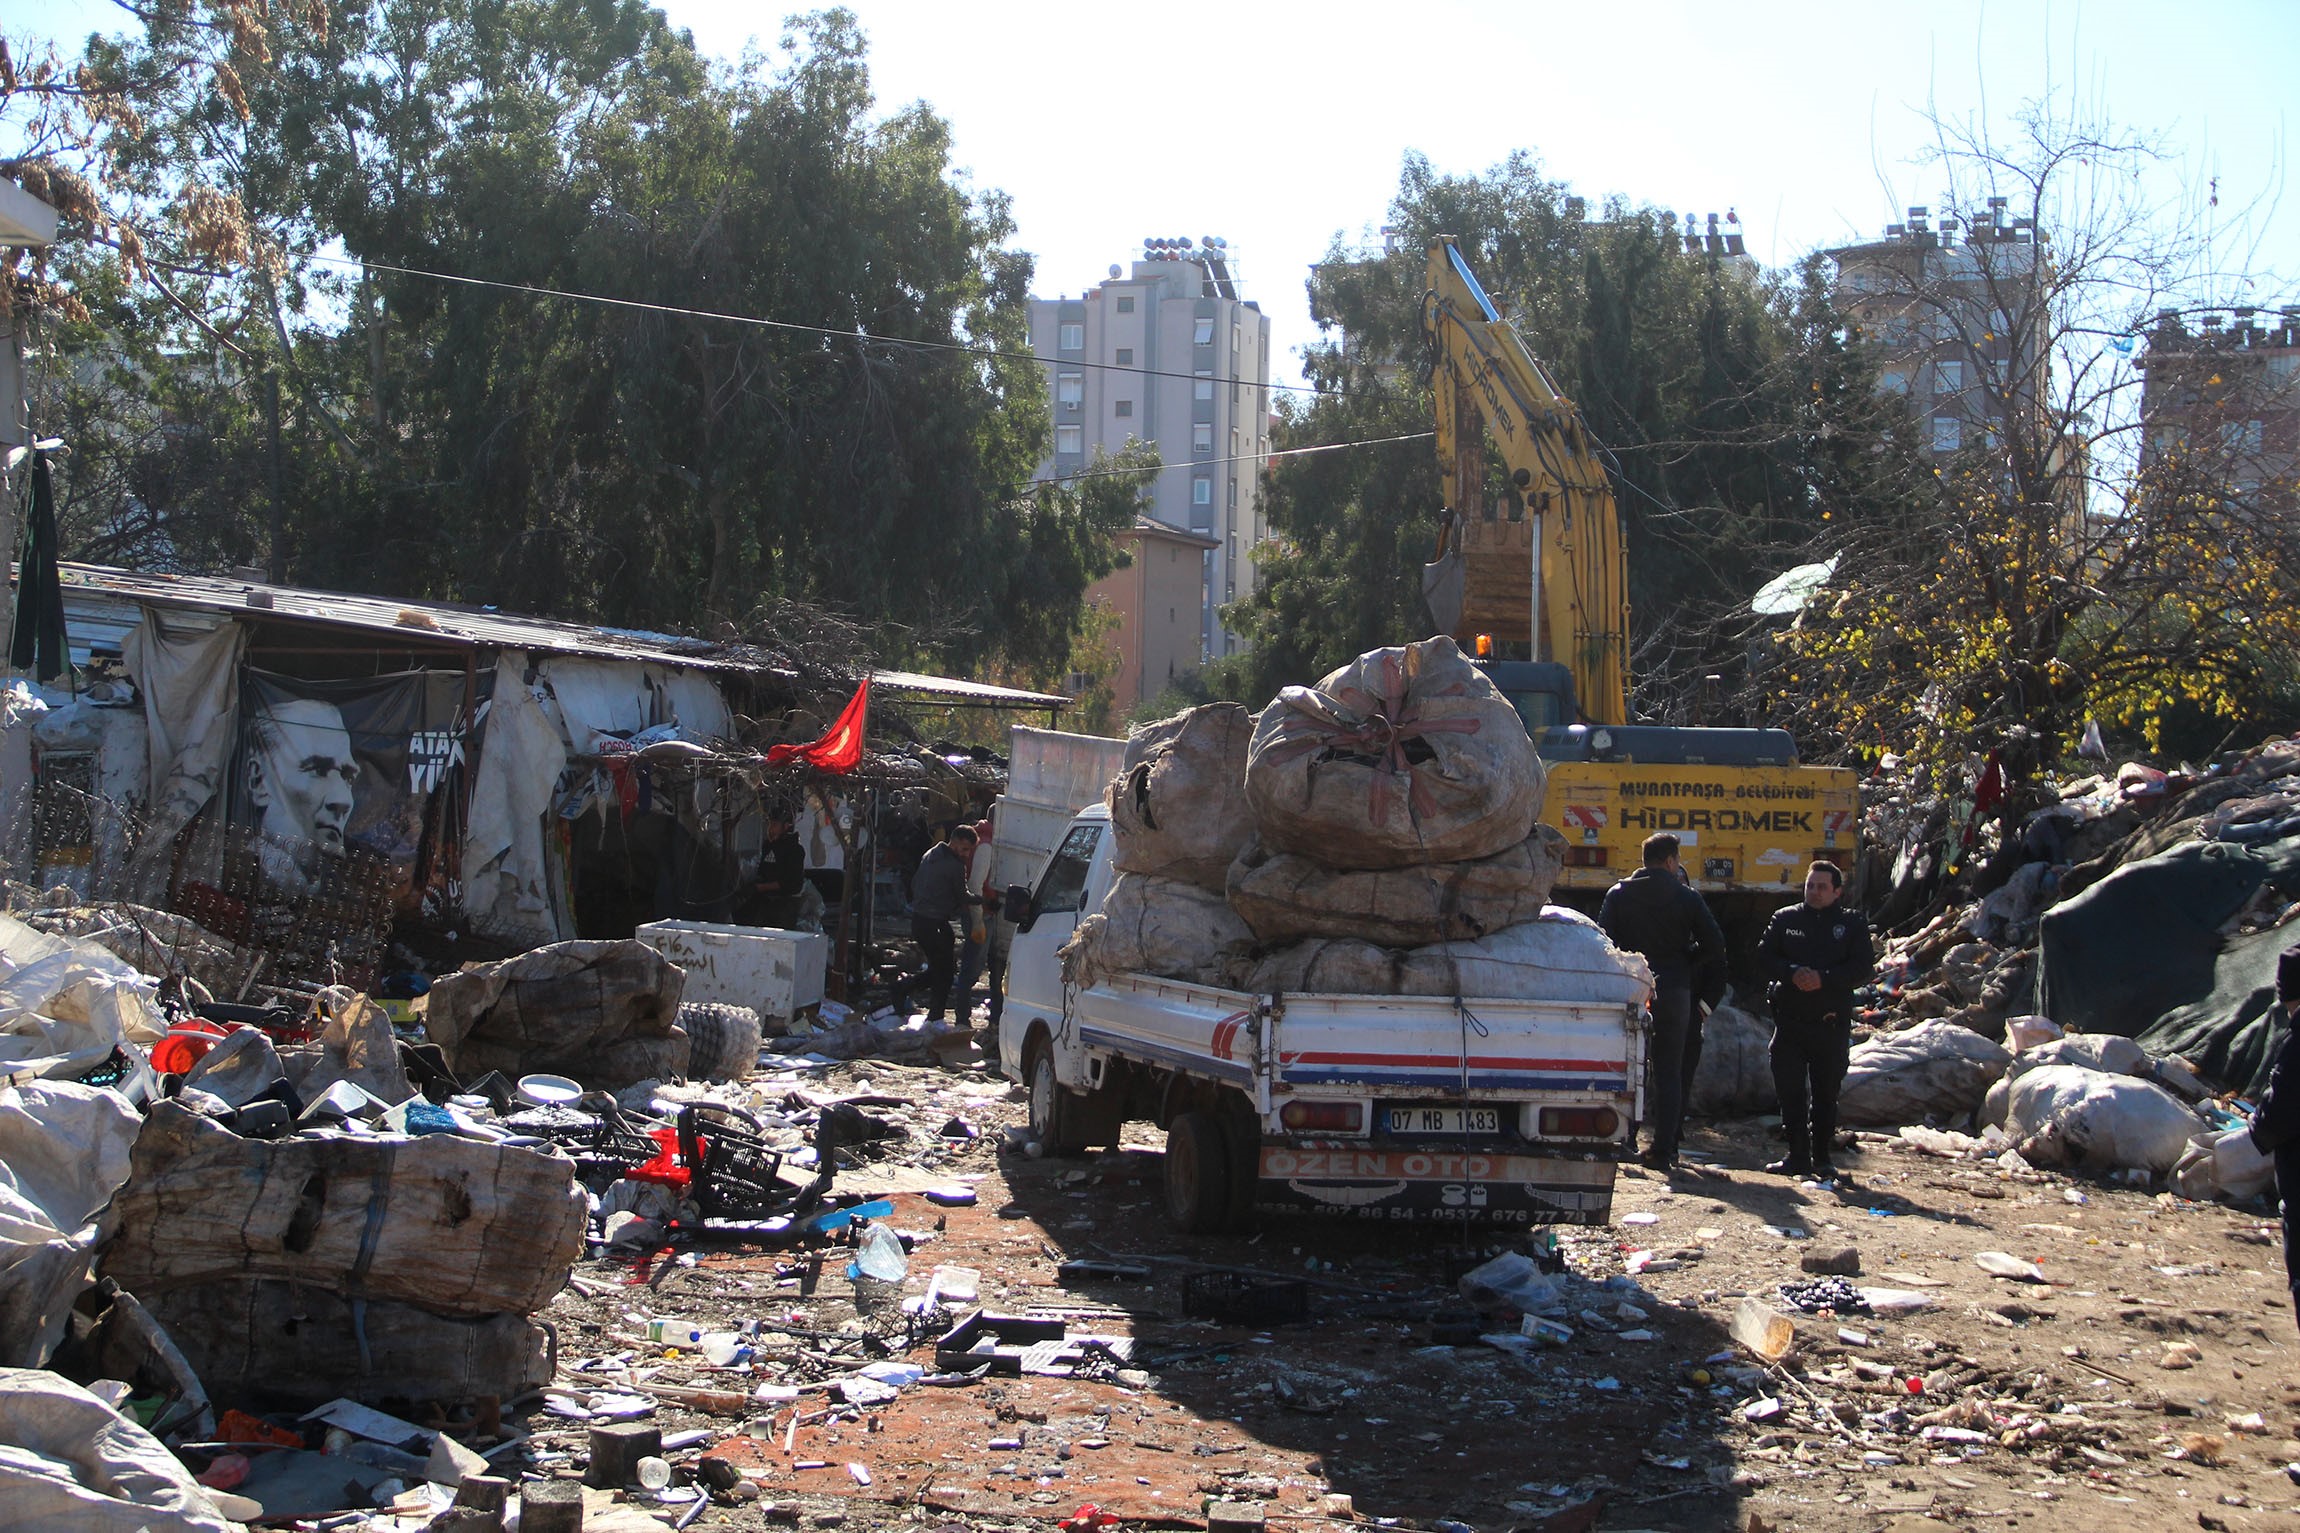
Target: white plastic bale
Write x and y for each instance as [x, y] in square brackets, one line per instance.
[1935, 1069]
[2067, 1115]
[1405, 756]
[64, 1150]
[1178, 806]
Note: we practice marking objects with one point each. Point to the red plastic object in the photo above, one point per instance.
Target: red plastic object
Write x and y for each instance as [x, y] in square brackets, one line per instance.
[1916, 1386]
[667, 1168]
[237, 1426]
[186, 1045]
[1087, 1519]
[226, 1472]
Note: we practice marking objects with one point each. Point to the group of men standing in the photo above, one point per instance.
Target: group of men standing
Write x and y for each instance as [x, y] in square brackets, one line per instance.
[1813, 956]
[953, 883]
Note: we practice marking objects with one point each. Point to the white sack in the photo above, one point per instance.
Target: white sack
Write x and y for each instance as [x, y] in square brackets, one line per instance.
[68, 1460]
[2067, 1115]
[1157, 926]
[2223, 1164]
[1285, 897]
[1735, 1076]
[1178, 806]
[63, 1152]
[1404, 756]
[1934, 1069]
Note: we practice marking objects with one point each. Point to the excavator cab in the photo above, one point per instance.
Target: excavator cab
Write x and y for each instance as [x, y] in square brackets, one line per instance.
[1542, 694]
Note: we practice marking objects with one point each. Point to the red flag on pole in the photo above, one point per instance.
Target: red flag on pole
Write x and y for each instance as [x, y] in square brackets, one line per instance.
[841, 747]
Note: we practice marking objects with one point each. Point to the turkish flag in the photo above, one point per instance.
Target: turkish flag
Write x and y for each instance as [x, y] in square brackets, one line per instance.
[841, 747]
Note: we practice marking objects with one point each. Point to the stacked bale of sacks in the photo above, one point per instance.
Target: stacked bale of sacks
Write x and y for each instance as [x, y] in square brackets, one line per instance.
[1374, 834]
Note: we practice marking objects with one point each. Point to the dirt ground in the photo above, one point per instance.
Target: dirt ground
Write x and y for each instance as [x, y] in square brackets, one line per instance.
[2057, 1398]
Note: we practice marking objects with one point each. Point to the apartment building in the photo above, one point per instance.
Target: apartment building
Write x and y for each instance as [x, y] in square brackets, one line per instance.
[1956, 312]
[1167, 353]
[2229, 388]
[1156, 599]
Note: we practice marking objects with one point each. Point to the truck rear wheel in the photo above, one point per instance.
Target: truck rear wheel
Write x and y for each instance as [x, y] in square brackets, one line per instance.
[1244, 1133]
[1198, 1174]
[1054, 1111]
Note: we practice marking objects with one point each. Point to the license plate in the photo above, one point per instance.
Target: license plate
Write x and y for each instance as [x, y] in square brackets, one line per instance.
[1444, 1120]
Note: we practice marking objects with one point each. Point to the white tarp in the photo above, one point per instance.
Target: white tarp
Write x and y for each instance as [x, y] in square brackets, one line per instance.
[507, 867]
[63, 1153]
[190, 679]
[68, 1460]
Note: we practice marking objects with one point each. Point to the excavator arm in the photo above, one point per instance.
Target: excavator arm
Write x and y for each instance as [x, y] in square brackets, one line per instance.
[1546, 568]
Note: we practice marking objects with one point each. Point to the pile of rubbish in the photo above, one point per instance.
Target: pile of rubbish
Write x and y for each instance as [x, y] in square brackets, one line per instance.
[211, 1211]
[1374, 834]
[2143, 909]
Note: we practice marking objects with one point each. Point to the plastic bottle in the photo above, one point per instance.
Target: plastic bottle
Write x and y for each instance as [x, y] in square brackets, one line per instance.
[882, 1256]
[672, 1330]
[654, 1473]
[722, 1348]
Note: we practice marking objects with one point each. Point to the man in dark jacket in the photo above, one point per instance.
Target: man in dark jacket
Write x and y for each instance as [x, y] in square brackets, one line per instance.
[938, 893]
[2276, 1122]
[782, 871]
[1815, 955]
[1655, 912]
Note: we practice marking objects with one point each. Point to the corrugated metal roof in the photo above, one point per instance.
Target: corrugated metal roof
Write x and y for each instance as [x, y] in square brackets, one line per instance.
[100, 607]
[973, 691]
[413, 622]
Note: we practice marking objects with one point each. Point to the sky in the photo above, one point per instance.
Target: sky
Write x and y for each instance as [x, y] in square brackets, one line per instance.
[1281, 126]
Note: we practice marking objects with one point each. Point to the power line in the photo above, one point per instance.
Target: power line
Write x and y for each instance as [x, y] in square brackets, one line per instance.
[642, 306]
[1243, 457]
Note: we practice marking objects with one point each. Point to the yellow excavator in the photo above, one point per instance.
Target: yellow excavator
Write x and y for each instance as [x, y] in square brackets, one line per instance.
[1534, 582]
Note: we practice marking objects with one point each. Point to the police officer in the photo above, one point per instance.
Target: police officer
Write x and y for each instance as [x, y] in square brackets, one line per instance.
[1655, 912]
[2276, 1124]
[1814, 955]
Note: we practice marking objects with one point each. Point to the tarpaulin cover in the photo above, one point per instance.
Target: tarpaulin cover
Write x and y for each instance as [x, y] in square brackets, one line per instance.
[2140, 954]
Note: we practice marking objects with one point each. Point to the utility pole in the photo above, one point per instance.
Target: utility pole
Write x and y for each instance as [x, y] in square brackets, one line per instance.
[277, 573]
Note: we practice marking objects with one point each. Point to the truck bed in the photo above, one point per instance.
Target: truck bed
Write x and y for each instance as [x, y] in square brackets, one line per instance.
[1361, 1043]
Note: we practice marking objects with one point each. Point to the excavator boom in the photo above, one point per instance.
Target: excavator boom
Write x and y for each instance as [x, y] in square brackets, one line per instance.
[1543, 566]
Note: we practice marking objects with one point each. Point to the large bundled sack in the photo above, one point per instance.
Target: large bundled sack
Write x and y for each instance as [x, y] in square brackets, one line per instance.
[2224, 1163]
[457, 1226]
[1404, 756]
[2104, 1052]
[68, 1460]
[1158, 926]
[272, 1342]
[1285, 897]
[605, 1013]
[1735, 1076]
[1563, 956]
[1935, 1069]
[1179, 806]
[2066, 1115]
[64, 1150]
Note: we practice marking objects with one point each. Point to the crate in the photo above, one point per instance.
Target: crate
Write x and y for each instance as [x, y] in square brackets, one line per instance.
[1238, 1298]
[734, 1173]
[775, 973]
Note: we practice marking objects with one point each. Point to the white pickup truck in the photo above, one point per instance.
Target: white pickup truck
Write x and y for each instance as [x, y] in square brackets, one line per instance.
[1505, 1109]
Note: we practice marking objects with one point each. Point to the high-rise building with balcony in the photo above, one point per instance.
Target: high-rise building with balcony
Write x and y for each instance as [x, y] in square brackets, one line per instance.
[1170, 355]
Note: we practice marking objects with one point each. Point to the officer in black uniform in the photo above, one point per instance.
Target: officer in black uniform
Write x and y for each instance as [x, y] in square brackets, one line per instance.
[1656, 913]
[1814, 955]
[2276, 1123]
